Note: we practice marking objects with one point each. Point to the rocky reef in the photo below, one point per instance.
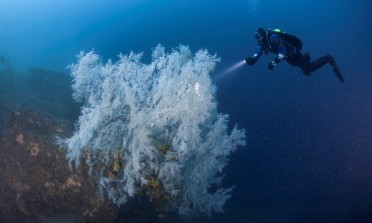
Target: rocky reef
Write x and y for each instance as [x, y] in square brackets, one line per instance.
[36, 182]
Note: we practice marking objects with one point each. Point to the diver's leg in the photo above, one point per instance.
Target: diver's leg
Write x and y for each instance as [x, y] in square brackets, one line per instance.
[302, 61]
[318, 63]
[306, 64]
[324, 60]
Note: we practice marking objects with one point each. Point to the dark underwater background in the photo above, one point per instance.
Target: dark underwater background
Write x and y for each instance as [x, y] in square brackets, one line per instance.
[309, 139]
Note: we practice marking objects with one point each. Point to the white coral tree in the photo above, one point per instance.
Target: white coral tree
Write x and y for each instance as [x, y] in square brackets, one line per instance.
[129, 105]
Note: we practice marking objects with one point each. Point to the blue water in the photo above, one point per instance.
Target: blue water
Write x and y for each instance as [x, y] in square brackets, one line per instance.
[308, 156]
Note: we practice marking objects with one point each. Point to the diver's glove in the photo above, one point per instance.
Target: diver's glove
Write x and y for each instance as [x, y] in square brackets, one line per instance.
[275, 62]
[271, 65]
[251, 60]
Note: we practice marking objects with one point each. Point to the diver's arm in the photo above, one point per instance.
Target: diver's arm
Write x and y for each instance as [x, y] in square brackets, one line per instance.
[282, 51]
[275, 62]
[252, 60]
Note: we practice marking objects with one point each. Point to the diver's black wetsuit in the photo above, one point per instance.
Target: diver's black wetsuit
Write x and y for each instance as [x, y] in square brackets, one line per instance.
[303, 61]
[271, 42]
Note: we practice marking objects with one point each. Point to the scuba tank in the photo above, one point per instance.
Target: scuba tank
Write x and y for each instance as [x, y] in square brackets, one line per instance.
[291, 39]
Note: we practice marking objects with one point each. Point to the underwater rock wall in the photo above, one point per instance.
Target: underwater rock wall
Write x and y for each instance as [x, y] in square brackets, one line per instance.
[36, 183]
[39, 89]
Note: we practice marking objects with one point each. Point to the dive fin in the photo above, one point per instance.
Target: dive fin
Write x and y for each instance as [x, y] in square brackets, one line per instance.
[337, 71]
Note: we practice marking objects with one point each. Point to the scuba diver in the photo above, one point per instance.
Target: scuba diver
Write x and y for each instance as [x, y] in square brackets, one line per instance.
[288, 47]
